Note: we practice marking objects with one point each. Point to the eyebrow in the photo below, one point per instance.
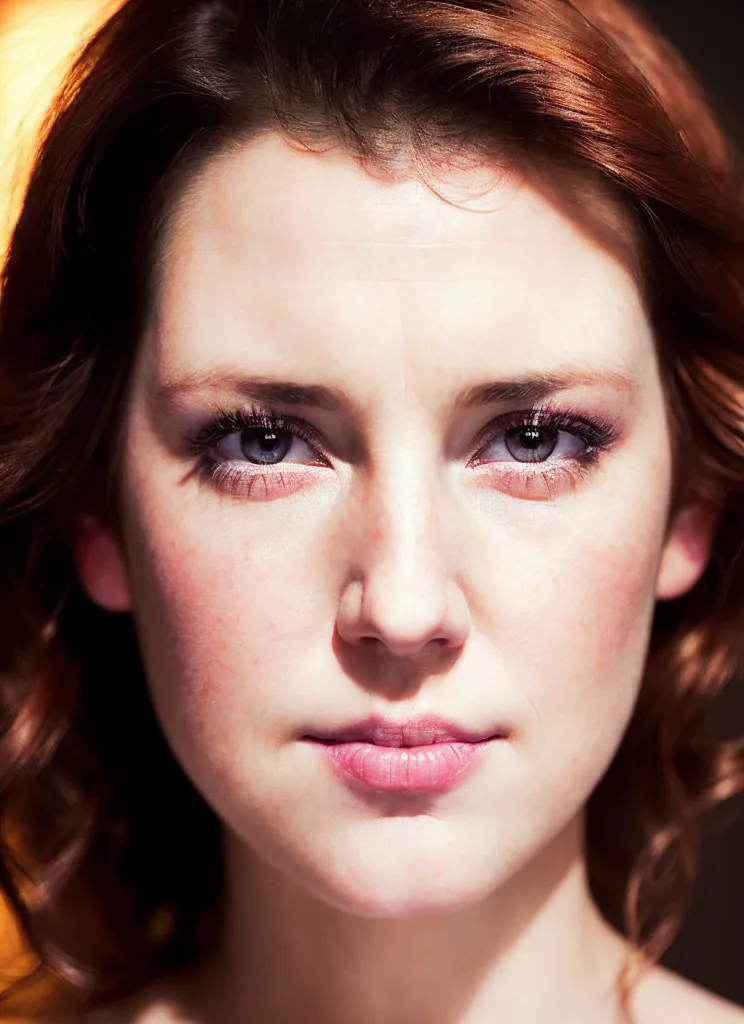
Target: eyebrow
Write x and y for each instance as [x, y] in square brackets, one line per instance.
[528, 388]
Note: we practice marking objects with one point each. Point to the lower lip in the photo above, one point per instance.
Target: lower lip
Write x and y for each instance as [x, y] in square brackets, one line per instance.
[434, 768]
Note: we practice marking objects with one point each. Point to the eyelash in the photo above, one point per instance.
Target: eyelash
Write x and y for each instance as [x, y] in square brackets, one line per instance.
[598, 435]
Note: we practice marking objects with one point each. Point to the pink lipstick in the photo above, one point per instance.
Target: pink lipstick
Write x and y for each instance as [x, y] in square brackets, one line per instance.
[422, 755]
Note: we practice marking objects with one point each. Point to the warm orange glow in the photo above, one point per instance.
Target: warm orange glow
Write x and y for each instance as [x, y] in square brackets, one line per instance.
[38, 39]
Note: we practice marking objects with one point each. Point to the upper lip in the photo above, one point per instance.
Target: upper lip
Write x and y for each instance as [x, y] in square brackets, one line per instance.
[413, 732]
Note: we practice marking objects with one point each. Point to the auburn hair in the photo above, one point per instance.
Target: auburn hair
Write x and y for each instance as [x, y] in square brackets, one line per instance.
[109, 858]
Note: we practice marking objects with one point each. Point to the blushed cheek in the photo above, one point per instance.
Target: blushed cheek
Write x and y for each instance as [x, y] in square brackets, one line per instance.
[214, 616]
[581, 667]
[618, 594]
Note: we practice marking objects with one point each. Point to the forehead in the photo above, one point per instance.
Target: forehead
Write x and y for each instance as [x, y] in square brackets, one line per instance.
[277, 252]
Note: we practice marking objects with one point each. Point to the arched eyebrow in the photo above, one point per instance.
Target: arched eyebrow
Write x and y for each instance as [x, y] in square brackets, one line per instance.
[527, 388]
[538, 386]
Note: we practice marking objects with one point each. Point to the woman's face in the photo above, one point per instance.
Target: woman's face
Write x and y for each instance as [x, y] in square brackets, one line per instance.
[420, 547]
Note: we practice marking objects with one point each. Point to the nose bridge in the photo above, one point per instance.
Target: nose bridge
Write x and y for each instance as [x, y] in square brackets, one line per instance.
[401, 527]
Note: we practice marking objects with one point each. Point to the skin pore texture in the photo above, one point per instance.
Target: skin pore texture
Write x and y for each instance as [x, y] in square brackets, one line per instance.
[380, 567]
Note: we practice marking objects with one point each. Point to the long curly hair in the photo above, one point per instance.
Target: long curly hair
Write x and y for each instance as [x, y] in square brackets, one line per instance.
[96, 815]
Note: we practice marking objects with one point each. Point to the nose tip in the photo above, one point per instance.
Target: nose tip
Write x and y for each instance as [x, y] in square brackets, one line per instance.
[402, 621]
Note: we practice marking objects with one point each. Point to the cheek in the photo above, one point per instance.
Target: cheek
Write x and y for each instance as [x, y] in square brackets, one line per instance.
[226, 614]
[580, 665]
[606, 593]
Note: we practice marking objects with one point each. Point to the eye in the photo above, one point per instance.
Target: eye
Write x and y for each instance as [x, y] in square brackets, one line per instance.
[536, 435]
[265, 446]
[538, 453]
[259, 438]
[530, 443]
[236, 448]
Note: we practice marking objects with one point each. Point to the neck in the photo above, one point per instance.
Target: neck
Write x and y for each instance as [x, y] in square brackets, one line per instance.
[536, 949]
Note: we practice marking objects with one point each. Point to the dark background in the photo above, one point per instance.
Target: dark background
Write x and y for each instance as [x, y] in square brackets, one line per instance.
[710, 948]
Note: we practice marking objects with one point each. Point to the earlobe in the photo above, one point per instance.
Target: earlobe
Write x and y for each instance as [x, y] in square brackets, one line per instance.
[687, 549]
[100, 565]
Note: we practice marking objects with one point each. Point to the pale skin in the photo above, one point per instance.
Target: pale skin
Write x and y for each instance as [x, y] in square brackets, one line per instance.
[395, 575]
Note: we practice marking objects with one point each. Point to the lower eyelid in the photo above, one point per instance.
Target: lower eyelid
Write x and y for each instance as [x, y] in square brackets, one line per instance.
[226, 477]
[523, 481]
[560, 465]
[537, 483]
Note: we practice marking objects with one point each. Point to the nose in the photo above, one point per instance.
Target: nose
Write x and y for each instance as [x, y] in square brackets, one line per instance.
[404, 588]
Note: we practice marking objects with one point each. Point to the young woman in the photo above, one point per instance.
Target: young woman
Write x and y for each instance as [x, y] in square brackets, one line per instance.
[371, 473]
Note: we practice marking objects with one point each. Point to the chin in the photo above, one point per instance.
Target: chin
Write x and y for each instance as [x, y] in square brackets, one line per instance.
[391, 895]
[403, 876]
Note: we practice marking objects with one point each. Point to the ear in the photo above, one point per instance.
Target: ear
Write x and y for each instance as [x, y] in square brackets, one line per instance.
[687, 548]
[100, 565]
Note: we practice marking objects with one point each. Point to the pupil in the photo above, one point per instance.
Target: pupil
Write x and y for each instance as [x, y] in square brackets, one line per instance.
[531, 437]
[531, 443]
[268, 439]
[266, 447]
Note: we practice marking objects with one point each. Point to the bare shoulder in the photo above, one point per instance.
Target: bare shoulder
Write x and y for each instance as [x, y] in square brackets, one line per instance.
[664, 997]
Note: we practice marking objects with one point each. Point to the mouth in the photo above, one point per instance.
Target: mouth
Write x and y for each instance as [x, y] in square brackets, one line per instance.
[421, 756]
[415, 732]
